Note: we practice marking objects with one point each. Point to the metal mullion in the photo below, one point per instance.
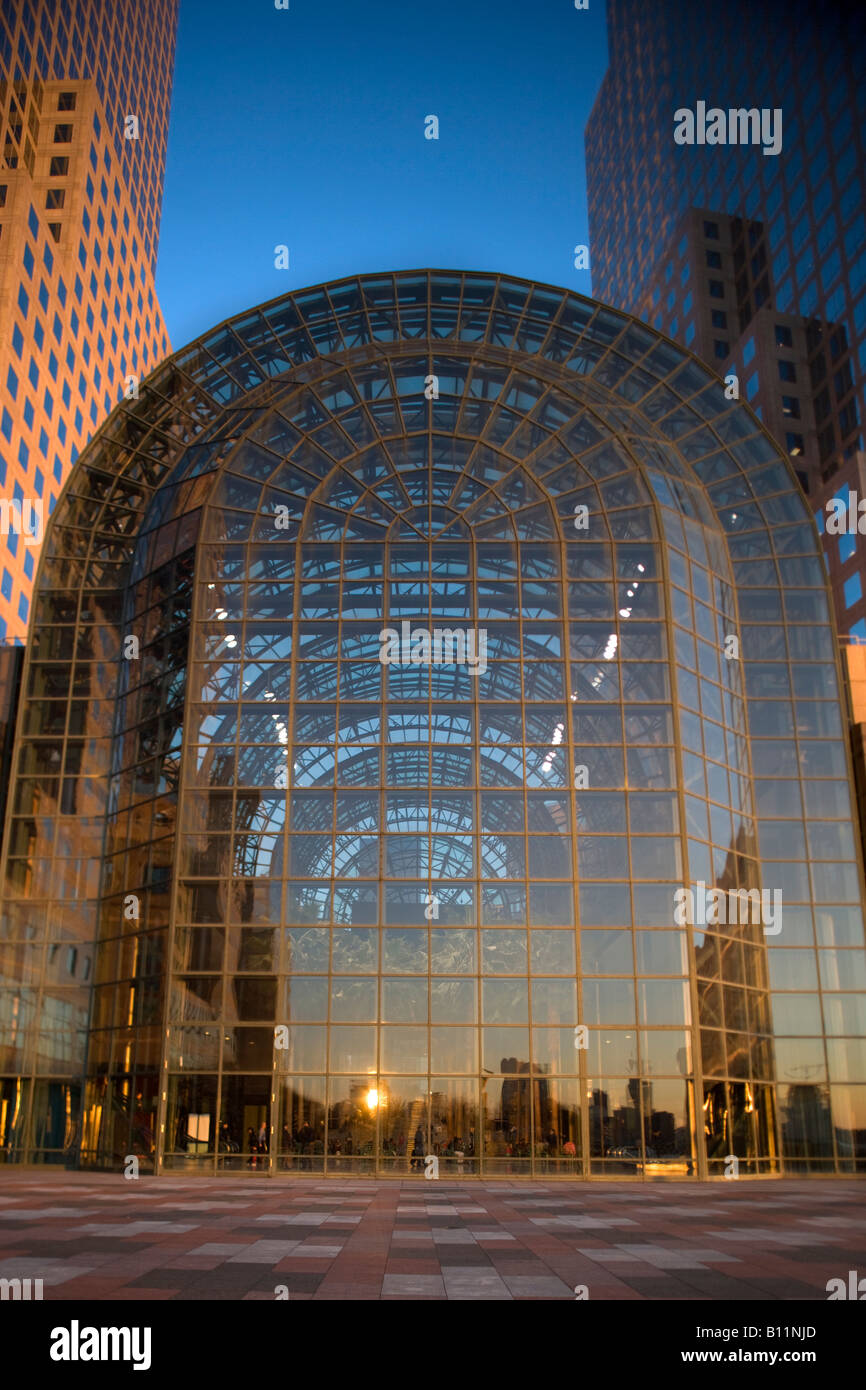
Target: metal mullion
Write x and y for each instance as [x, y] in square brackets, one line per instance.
[479, 1155]
[699, 1137]
[583, 1053]
[429, 548]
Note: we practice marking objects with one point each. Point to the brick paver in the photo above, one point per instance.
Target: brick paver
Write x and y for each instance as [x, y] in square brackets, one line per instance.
[104, 1237]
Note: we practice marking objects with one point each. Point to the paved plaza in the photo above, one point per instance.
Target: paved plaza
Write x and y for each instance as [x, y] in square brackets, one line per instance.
[104, 1237]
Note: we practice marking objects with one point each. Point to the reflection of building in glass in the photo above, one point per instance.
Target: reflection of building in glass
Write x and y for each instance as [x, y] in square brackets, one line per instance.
[755, 262]
[355, 913]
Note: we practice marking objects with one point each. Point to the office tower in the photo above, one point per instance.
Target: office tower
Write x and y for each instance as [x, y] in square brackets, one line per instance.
[433, 745]
[84, 104]
[754, 259]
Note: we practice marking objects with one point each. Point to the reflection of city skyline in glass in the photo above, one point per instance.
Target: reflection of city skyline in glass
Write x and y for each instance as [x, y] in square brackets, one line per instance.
[425, 876]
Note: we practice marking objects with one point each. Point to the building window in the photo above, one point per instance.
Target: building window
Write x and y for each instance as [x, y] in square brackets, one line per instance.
[794, 444]
[55, 197]
[748, 352]
[720, 347]
[717, 289]
[63, 135]
[59, 166]
[791, 407]
[787, 371]
[853, 590]
[784, 336]
[714, 260]
[66, 101]
[711, 230]
[719, 318]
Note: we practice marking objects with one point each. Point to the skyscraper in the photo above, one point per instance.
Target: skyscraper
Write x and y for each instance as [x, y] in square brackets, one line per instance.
[84, 104]
[452, 762]
[752, 256]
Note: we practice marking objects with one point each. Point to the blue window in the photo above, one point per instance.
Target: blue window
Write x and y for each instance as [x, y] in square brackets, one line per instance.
[79, 421]
[23, 301]
[28, 413]
[28, 564]
[85, 220]
[74, 323]
[6, 585]
[752, 386]
[858, 631]
[853, 590]
[23, 607]
[53, 364]
[57, 328]
[66, 394]
[28, 260]
[61, 431]
[43, 449]
[17, 340]
[33, 223]
[48, 257]
[12, 543]
[6, 425]
[48, 403]
[748, 352]
[23, 457]
[89, 187]
[12, 384]
[82, 255]
[847, 547]
[61, 292]
[38, 475]
[33, 372]
[38, 333]
[43, 296]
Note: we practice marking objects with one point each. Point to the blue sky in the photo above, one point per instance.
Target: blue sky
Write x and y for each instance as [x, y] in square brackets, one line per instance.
[305, 127]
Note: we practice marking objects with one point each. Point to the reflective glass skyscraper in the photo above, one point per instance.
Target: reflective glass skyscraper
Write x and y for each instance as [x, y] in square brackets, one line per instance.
[290, 886]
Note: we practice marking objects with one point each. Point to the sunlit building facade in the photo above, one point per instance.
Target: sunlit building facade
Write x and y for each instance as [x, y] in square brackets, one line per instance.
[85, 92]
[402, 662]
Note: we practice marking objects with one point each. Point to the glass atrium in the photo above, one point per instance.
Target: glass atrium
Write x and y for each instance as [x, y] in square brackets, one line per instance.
[276, 901]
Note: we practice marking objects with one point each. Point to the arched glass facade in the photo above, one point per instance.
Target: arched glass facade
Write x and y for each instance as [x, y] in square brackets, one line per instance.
[397, 660]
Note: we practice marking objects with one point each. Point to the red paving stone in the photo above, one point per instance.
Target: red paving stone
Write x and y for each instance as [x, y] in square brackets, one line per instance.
[626, 1241]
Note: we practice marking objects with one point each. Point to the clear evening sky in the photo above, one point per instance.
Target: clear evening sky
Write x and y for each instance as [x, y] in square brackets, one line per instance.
[305, 127]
